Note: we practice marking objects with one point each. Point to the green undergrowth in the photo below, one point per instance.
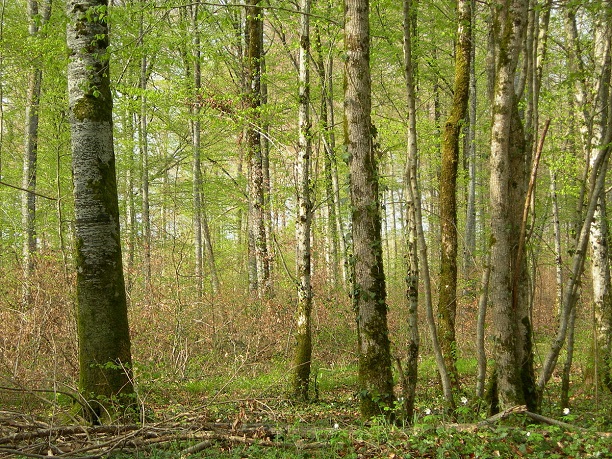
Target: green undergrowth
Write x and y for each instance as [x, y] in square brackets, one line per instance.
[329, 425]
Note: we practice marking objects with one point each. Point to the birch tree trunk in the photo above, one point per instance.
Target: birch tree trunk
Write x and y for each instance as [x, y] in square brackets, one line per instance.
[447, 299]
[369, 290]
[593, 128]
[599, 235]
[303, 350]
[412, 220]
[104, 341]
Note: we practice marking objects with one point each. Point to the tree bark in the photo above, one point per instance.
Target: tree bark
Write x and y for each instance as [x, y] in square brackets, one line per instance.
[369, 290]
[412, 220]
[594, 125]
[104, 341]
[469, 250]
[30, 158]
[413, 194]
[447, 299]
[509, 26]
[303, 333]
[259, 266]
[196, 165]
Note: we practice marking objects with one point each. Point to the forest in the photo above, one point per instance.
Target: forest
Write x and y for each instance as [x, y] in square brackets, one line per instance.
[305, 228]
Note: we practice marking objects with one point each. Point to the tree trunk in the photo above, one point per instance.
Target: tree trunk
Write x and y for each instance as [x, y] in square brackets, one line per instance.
[447, 299]
[413, 194]
[196, 165]
[412, 220]
[303, 350]
[594, 128]
[469, 250]
[599, 235]
[257, 227]
[369, 291]
[144, 158]
[332, 185]
[28, 212]
[480, 330]
[104, 340]
[509, 23]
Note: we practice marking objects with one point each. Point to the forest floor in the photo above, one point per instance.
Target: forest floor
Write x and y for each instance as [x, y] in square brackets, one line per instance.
[253, 418]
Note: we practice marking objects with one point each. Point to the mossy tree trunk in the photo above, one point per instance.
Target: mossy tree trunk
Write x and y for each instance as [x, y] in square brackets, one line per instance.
[104, 342]
[369, 290]
[509, 26]
[447, 299]
[259, 270]
[303, 351]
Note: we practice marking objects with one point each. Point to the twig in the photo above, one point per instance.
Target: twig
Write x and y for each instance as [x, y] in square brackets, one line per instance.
[27, 191]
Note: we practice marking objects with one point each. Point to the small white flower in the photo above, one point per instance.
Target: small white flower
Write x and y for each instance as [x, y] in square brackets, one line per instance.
[528, 433]
[566, 411]
[427, 411]
[336, 425]
[464, 400]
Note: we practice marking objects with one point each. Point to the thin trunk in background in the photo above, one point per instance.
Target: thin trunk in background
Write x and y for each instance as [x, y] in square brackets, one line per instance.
[413, 194]
[36, 19]
[469, 250]
[303, 331]
[259, 267]
[131, 218]
[412, 220]
[594, 125]
[267, 182]
[369, 290]
[336, 229]
[481, 374]
[447, 299]
[599, 235]
[196, 131]
[143, 145]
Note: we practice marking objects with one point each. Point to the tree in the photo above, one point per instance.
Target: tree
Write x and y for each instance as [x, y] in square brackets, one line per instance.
[447, 299]
[260, 264]
[594, 124]
[28, 212]
[104, 340]
[509, 26]
[369, 290]
[303, 351]
[413, 221]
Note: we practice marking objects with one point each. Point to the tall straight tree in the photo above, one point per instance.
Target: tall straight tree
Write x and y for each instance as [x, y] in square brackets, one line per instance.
[195, 142]
[594, 124]
[303, 351]
[509, 26]
[369, 290]
[36, 17]
[104, 339]
[413, 214]
[258, 248]
[143, 146]
[447, 299]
